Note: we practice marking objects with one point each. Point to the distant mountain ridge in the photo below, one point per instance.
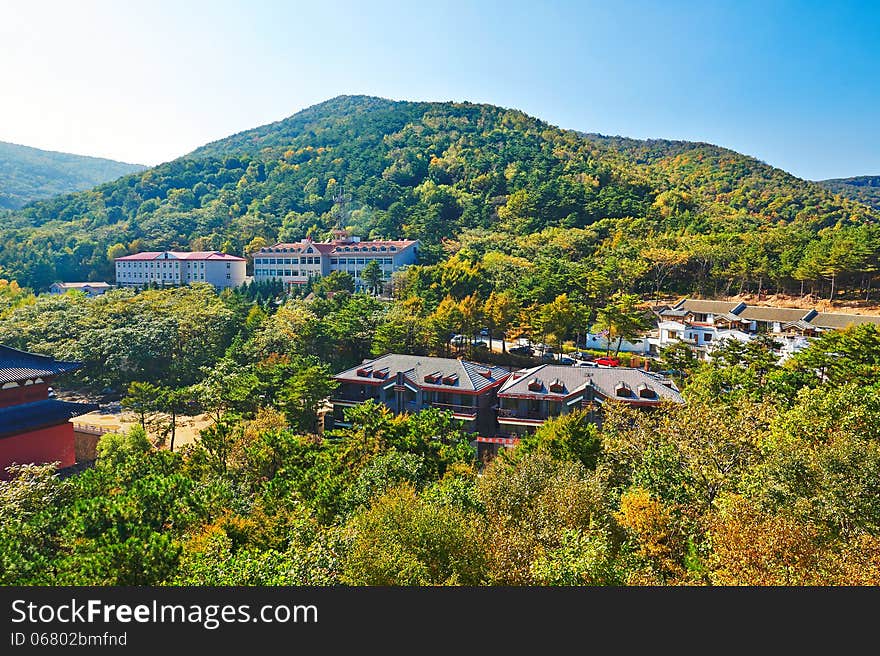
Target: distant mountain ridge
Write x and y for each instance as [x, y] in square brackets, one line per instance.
[863, 188]
[424, 170]
[28, 174]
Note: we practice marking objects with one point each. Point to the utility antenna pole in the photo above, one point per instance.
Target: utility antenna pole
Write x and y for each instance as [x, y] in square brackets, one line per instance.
[339, 201]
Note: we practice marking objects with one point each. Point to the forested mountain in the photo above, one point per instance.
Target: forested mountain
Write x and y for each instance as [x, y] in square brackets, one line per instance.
[28, 174]
[863, 188]
[461, 176]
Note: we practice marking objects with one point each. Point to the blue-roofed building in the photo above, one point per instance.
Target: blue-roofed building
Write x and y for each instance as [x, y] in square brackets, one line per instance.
[33, 427]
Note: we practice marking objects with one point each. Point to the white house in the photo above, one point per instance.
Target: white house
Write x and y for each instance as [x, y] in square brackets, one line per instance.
[87, 288]
[170, 268]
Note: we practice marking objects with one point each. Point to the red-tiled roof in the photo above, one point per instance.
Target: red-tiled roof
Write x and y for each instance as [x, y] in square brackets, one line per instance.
[183, 255]
[364, 246]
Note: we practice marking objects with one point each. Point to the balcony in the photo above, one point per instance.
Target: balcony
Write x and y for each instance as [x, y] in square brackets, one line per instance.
[513, 413]
[468, 411]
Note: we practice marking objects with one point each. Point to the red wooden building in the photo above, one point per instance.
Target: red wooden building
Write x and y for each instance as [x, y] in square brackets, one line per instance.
[33, 427]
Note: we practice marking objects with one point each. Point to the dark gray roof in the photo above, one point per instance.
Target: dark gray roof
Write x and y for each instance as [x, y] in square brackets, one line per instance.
[18, 365]
[705, 307]
[833, 320]
[575, 379]
[25, 417]
[671, 312]
[459, 374]
[729, 316]
[800, 324]
[783, 315]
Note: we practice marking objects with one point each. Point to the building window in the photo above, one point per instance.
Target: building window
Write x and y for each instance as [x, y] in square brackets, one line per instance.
[228, 276]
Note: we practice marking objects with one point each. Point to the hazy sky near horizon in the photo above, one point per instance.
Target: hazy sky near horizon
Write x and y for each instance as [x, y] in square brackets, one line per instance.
[796, 84]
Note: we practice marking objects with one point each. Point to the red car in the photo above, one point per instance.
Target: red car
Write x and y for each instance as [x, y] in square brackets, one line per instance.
[607, 362]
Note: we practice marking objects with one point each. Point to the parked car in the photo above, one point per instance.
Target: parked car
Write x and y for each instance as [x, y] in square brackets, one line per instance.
[548, 356]
[564, 359]
[607, 362]
[481, 345]
[581, 355]
[458, 340]
[521, 350]
[484, 332]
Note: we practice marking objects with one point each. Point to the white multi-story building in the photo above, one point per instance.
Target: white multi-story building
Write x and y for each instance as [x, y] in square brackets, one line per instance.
[704, 324]
[170, 268]
[296, 263]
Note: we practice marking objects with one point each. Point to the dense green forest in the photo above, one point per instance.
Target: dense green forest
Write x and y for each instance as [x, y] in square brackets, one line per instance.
[768, 475]
[29, 174]
[864, 188]
[475, 181]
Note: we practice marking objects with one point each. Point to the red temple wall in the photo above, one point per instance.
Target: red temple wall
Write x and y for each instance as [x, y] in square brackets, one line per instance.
[23, 394]
[51, 444]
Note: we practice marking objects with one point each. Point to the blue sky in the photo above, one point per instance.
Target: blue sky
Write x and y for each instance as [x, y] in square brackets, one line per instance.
[796, 84]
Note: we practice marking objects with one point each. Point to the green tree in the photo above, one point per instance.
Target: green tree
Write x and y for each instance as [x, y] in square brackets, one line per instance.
[115, 448]
[144, 399]
[404, 540]
[373, 276]
[622, 318]
[304, 393]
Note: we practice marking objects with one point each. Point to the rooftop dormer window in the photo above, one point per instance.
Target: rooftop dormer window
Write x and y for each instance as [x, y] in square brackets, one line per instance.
[365, 371]
[433, 379]
[622, 389]
[451, 379]
[535, 385]
[557, 387]
[646, 392]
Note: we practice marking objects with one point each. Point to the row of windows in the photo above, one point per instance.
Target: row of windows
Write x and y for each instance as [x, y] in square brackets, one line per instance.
[164, 276]
[359, 260]
[285, 250]
[352, 262]
[150, 265]
[347, 249]
[293, 260]
[365, 249]
[282, 272]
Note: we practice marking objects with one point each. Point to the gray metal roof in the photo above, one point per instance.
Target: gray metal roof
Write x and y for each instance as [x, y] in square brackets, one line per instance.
[575, 379]
[18, 365]
[459, 374]
[833, 320]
